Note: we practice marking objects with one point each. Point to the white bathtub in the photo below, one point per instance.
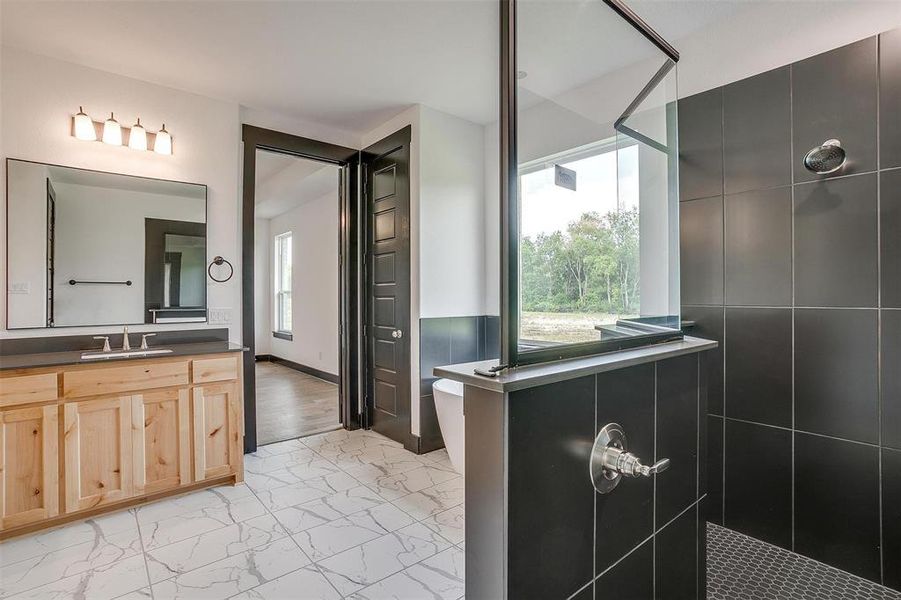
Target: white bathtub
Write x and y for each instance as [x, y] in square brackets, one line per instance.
[448, 396]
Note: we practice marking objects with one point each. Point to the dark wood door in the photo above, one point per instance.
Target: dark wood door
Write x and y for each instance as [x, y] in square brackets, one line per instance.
[386, 169]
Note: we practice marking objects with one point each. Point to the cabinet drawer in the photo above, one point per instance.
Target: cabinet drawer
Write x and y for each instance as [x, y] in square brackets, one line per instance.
[207, 370]
[27, 388]
[115, 380]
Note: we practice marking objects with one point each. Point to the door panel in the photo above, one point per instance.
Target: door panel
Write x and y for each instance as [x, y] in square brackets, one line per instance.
[29, 458]
[98, 449]
[161, 440]
[387, 190]
[217, 432]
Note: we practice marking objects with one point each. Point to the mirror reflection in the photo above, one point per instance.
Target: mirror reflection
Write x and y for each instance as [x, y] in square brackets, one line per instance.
[92, 248]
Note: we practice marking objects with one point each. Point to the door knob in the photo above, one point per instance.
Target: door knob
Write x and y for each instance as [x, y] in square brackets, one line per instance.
[397, 334]
[611, 460]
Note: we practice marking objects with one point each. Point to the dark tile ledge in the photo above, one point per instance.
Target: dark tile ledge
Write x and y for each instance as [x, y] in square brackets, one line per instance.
[73, 357]
[535, 375]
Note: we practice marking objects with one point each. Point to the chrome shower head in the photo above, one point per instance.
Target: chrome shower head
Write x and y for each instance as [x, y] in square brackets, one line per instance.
[825, 159]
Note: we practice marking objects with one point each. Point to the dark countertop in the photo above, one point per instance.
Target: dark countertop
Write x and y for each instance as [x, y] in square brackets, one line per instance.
[562, 370]
[54, 359]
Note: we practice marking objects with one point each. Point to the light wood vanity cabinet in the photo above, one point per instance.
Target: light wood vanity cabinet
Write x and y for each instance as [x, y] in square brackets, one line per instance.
[84, 439]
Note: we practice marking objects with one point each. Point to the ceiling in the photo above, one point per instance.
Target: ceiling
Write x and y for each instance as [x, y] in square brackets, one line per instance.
[284, 182]
[347, 65]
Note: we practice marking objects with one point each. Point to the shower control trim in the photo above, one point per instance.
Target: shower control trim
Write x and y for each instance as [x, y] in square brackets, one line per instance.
[611, 460]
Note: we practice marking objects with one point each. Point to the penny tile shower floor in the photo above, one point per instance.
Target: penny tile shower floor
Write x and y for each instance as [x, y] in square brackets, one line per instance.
[340, 514]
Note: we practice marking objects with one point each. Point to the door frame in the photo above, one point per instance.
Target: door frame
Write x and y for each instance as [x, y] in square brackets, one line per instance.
[350, 342]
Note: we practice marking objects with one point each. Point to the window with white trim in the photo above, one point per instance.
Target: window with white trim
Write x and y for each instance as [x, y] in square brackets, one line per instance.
[283, 263]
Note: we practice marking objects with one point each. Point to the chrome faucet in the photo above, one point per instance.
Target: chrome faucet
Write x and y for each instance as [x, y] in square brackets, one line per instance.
[105, 339]
[144, 340]
[126, 345]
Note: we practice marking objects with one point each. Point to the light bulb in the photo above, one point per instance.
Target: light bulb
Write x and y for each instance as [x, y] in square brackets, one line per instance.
[112, 132]
[84, 126]
[137, 139]
[163, 143]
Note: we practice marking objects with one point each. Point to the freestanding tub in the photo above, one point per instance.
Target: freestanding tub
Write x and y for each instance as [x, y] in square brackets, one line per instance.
[449, 406]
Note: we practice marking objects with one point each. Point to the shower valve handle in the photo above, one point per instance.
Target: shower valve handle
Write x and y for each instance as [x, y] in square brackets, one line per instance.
[611, 460]
[619, 461]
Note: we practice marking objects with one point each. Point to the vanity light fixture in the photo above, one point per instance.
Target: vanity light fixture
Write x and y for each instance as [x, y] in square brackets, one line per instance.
[137, 137]
[84, 126]
[163, 143]
[111, 132]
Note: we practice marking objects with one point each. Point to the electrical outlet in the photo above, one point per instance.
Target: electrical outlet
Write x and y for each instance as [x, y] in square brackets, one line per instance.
[220, 316]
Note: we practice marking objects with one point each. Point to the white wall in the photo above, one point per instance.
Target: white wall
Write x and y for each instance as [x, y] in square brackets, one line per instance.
[451, 216]
[28, 256]
[39, 97]
[314, 285]
[262, 287]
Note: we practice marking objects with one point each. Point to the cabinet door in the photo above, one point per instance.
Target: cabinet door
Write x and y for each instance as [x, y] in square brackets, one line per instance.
[217, 433]
[29, 465]
[98, 449]
[161, 438]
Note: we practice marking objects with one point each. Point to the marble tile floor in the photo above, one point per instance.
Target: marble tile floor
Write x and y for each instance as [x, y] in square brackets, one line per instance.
[335, 515]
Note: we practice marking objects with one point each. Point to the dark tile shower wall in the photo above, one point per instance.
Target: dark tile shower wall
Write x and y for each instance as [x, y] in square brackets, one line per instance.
[445, 341]
[798, 276]
[642, 540]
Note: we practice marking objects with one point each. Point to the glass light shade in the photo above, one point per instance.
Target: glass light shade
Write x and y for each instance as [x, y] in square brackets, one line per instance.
[84, 126]
[137, 139]
[163, 143]
[112, 132]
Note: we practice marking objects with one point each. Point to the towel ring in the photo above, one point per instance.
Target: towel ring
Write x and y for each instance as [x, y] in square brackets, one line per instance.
[218, 260]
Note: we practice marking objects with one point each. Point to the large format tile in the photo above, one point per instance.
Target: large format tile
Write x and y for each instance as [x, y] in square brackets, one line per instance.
[391, 487]
[305, 491]
[890, 98]
[632, 577]
[890, 239]
[758, 248]
[306, 583]
[757, 132]
[450, 524]
[354, 569]
[835, 373]
[891, 517]
[339, 535]
[713, 504]
[222, 496]
[837, 524]
[677, 435]
[195, 552]
[188, 525]
[40, 570]
[758, 490]
[624, 517]
[101, 583]
[440, 577]
[701, 145]
[708, 324]
[235, 574]
[759, 365]
[562, 562]
[675, 558]
[92, 531]
[890, 322]
[433, 500]
[834, 96]
[292, 473]
[267, 463]
[328, 508]
[836, 248]
[701, 256]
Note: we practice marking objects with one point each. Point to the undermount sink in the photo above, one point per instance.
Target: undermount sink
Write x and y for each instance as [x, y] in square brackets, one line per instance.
[125, 353]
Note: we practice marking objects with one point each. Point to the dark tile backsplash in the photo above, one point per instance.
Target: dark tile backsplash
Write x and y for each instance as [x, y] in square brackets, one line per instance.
[445, 341]
[834, 96]
[801, 285]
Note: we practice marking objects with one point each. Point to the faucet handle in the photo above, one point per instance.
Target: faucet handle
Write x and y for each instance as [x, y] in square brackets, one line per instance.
[105, 339]
[144, 337]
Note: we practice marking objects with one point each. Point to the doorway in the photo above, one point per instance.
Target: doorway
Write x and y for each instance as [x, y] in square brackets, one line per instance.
[297, 326]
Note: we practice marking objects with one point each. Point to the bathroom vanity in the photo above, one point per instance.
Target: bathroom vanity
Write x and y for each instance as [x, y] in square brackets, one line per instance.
[546, 517]
[79, 437]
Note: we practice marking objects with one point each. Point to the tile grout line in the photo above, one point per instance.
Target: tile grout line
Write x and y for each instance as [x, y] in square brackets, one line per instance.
[134, 514]
[879, 365]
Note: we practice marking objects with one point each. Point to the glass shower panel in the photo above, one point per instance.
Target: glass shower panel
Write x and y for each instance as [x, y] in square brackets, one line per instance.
[596, 154]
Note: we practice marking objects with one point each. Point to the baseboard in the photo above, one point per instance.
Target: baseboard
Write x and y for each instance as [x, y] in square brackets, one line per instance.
[263, 358]
[302, 368]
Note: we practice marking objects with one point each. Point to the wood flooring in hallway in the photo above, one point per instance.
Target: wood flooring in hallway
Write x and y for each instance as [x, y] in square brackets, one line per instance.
[291, 404]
